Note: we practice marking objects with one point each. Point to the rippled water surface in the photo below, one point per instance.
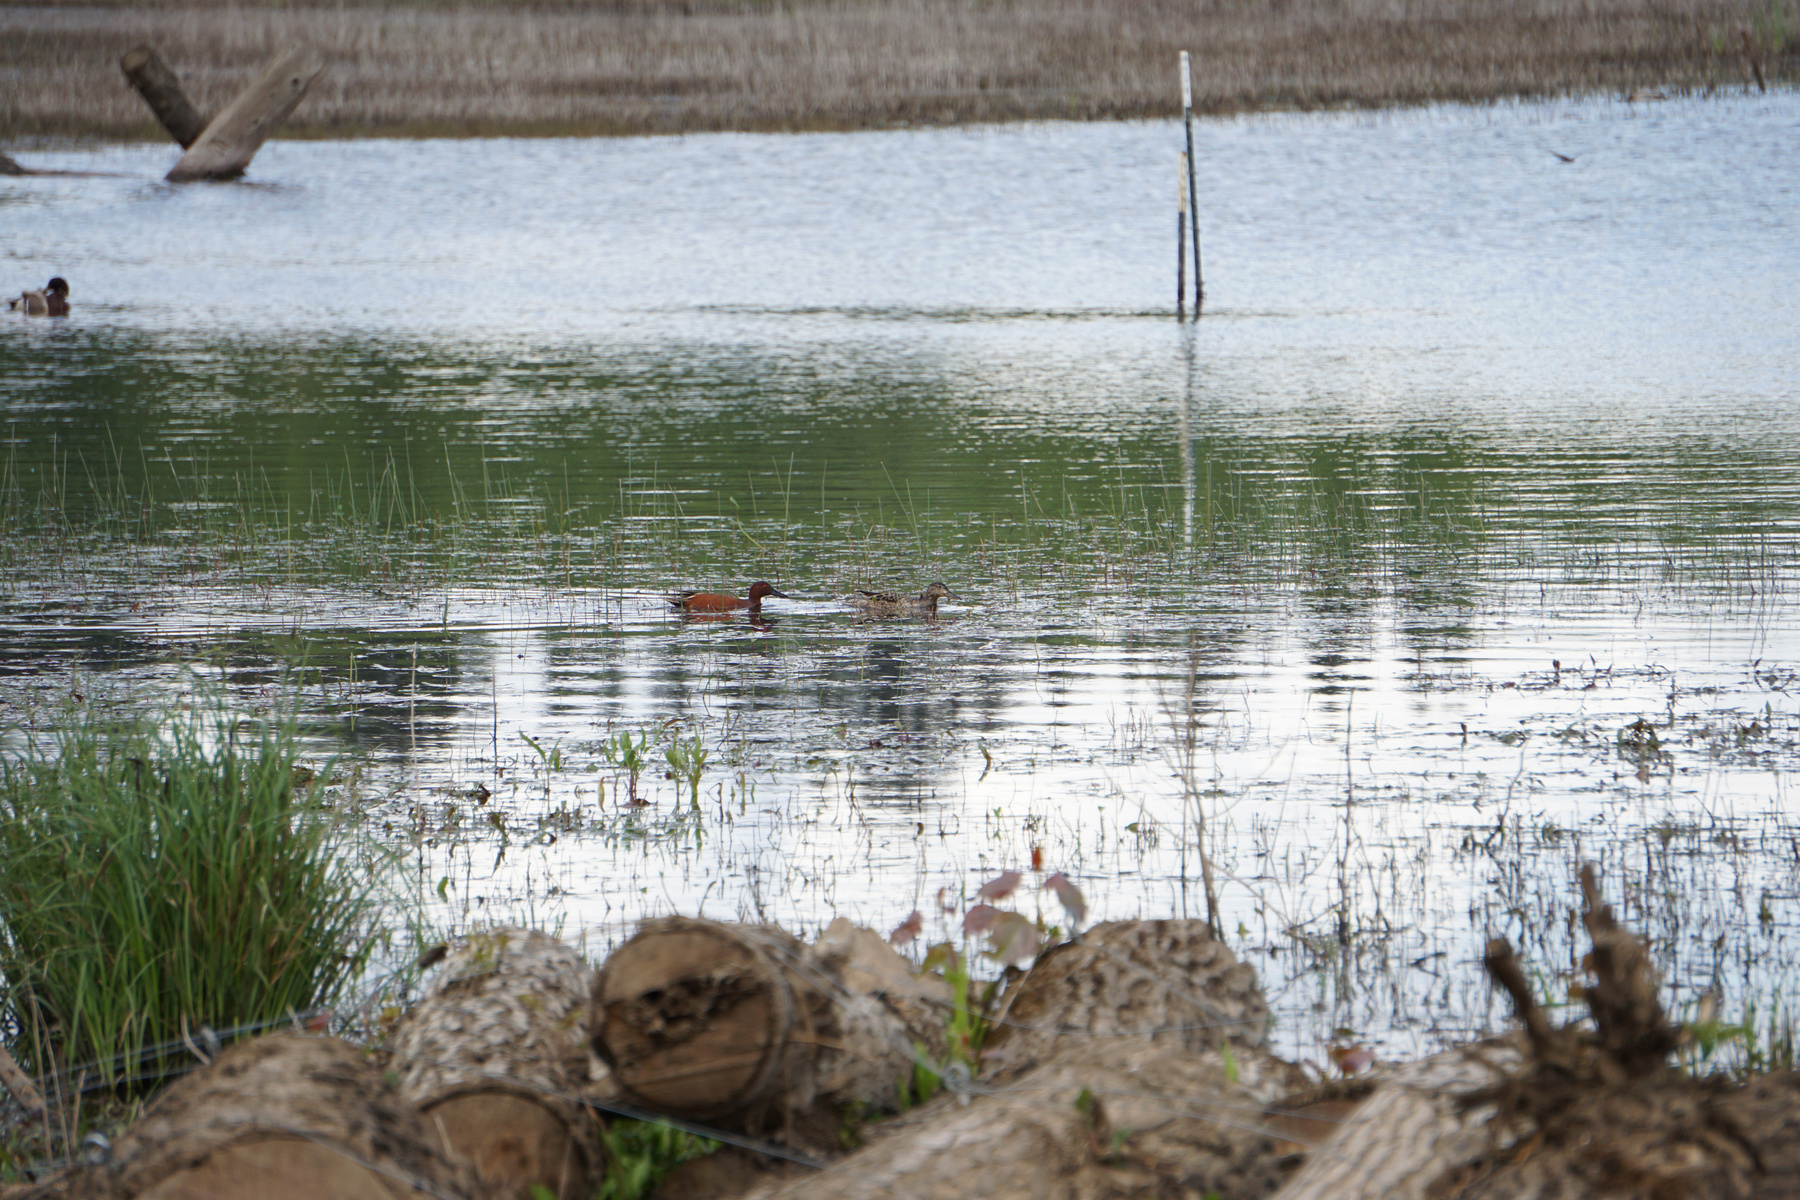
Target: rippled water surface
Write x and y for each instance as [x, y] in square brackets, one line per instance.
[1455, 545]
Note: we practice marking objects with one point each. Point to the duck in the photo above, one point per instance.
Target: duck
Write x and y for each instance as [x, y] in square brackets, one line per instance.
[721, 602]
[52, 301]
[888, 604]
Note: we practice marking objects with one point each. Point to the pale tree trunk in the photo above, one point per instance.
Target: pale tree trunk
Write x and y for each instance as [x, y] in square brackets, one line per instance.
[747, 1027]
[283, 1117]
[1412, 1130]
[228, 144]
[1104, 1120]
[495, 1054]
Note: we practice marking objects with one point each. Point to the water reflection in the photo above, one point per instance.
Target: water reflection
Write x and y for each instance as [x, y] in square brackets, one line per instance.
[1361, 577]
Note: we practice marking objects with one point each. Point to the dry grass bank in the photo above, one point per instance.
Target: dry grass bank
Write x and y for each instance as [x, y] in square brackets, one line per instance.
[827, 64]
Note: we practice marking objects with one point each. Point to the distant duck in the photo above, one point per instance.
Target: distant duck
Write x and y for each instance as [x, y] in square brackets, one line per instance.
[724, 602]
[888, 604]
[53, 301]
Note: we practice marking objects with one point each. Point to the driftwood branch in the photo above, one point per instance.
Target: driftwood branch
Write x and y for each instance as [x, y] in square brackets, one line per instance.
[228, 144]
[156, 82]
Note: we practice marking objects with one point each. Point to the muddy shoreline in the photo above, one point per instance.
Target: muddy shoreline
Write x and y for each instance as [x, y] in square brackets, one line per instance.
[659, 68]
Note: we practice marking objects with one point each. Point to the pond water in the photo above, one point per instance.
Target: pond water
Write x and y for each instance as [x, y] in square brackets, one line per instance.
[1454, 546]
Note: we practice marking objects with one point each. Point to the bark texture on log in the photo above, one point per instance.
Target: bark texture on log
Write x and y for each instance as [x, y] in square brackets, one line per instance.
[1104, 1120]
[495, 1053]
[746, 1026]
[156, 82]
[1412, 1130]
[283, 1117]
[1165, 980]
[228, 144]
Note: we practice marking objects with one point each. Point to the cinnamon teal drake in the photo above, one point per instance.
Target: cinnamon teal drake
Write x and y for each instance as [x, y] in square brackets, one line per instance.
[52, 301]
[888, 604]
[724, 602]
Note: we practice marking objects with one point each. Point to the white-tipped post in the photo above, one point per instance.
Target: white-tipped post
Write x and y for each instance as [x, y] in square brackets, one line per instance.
[1193, 196]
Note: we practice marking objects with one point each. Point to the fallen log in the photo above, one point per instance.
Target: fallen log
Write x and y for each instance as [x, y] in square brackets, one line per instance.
[1169, 981]
[156, 82]
[284, 1117]
[224, 149]
[747, 1027]
[1411, 1131]
[495, 1054]
[1104, 1120]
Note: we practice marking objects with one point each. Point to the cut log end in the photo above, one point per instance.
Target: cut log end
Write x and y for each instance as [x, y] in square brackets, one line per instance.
[514, 1142]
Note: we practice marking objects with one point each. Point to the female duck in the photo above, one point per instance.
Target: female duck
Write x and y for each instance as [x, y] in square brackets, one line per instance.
[52, 301]
[887, 604]
[722, 602]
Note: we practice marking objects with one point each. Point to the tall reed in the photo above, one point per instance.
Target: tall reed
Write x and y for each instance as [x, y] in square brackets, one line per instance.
[159, 876]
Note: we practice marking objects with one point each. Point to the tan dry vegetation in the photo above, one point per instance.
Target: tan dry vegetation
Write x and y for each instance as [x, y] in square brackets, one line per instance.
[837, 64]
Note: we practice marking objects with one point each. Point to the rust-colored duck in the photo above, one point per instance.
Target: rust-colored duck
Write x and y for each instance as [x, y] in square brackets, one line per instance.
[725, 602]
[889, 604]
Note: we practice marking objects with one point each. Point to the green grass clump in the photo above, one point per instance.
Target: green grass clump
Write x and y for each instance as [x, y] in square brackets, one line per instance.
[641, 1153]
[161, 875]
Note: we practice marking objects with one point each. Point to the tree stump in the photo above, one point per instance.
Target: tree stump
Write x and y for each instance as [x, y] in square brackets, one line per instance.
[283, 1117]
[1168, 981]
[224, 149]
[747, 1027]
[156, 82]
[495, 1054]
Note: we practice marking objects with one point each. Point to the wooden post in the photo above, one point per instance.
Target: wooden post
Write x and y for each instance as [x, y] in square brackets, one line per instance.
[1181, 222]
[1187, 115]
[235, 135]
[161, 90]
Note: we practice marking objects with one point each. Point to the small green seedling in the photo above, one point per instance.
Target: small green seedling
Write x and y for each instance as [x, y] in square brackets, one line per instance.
[687, 760]
[620, 751]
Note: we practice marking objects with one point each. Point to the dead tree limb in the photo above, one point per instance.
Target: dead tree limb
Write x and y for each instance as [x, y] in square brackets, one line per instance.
[228, 144]
[156, 82]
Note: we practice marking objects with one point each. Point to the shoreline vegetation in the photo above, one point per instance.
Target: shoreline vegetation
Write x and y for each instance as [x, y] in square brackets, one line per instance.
[679, 66]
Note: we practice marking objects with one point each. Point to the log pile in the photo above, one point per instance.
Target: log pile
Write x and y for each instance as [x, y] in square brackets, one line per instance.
[1129, 1063]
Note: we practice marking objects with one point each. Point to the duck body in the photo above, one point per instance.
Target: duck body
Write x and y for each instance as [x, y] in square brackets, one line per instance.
[51, 301]
[724, 602]
[890, 604]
